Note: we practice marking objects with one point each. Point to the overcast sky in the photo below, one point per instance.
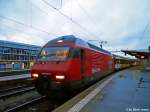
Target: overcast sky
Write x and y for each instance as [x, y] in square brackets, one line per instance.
[122, 23]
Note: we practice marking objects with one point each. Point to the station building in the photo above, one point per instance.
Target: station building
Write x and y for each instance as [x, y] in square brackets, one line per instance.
[17, 56]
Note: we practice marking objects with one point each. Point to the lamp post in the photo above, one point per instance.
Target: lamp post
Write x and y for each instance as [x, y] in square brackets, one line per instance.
[102, 42]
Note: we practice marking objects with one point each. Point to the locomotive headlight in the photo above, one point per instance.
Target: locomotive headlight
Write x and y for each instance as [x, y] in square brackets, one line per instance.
[35, 75]
[60, 77]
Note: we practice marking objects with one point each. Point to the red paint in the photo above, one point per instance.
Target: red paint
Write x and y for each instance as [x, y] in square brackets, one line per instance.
[96, 63]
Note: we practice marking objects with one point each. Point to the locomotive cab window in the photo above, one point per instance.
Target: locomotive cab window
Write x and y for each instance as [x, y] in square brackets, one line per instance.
[54, 53]
[75, 53]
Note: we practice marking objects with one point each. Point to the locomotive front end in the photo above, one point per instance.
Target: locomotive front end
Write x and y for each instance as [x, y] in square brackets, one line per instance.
[51, 69]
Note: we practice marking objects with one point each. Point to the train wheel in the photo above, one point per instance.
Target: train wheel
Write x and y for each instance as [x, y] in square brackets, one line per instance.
[43, 85]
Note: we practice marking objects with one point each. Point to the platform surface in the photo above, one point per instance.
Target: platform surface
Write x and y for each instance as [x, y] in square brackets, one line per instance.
[21, 76]
[129, 91]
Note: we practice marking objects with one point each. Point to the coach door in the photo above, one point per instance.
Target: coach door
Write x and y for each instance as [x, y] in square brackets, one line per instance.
[82, 56]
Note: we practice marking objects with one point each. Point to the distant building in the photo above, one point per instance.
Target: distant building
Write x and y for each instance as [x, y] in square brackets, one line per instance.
[142, 55]
[14, 56]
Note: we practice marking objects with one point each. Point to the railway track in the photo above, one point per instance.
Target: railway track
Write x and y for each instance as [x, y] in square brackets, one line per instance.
[14, 98]
[11, 88]
[15, 91]
[25, 104]
[29, 100]
[22, 98]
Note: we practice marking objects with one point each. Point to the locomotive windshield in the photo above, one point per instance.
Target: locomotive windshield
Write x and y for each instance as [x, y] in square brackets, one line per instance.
[54, 53]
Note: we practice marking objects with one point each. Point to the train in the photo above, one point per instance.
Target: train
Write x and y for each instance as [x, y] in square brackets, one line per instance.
[68, 63]
[123, 62]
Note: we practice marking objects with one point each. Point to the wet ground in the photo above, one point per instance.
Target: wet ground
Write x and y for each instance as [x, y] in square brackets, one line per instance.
[129, 91]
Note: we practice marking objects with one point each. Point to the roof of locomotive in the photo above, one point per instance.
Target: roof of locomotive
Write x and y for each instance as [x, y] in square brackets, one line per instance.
[65, 39]
[72, 39]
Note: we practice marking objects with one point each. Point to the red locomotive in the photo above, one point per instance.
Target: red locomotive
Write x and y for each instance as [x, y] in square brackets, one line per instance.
[68, 63]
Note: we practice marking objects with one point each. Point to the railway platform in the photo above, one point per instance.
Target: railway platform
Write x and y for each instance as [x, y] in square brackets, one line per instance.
[14, 77]
[125, 91]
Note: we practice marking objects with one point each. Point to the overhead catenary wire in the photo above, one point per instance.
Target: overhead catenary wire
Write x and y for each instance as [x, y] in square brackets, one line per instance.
[87, 14]
[47, 13]
[26, 25]
[69, 18]
[18, 30]
[145, 28]
[38, 29]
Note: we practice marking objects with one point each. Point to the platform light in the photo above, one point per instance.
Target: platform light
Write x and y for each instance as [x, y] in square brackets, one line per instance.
[61, 77]
[35, 75]
[142, 57]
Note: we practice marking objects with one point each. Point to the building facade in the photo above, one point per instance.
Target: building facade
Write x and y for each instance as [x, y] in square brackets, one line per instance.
[17, 56]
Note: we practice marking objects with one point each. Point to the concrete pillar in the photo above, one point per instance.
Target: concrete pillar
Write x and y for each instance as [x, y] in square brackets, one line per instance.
[22, 66]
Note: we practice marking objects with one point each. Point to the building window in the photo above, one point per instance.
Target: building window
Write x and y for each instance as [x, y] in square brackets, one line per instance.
[1, 49]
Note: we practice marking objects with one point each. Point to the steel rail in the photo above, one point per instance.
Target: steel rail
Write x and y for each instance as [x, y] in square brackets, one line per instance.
[23, 105]
[16, 92]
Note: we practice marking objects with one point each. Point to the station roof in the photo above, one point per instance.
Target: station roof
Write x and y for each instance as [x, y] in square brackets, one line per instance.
[11, 44]
[119, 57]
[137, 53]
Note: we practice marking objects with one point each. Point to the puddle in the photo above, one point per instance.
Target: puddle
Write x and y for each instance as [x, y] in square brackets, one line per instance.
[122, 76]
